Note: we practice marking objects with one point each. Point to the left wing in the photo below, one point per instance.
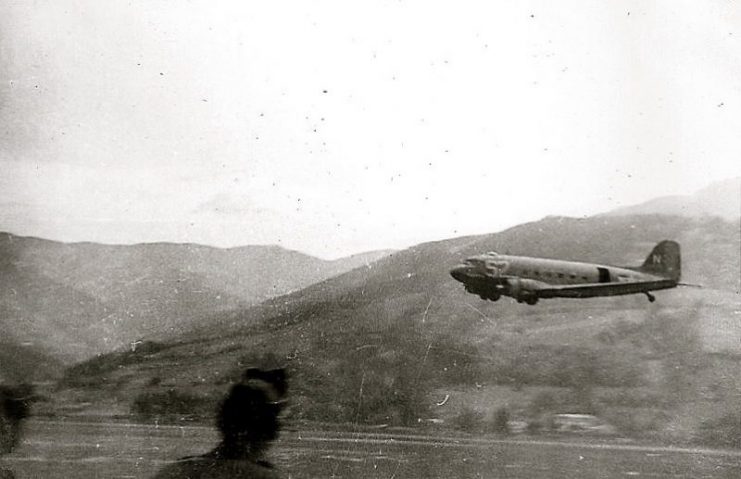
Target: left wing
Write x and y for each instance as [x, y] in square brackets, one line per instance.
[603, 289]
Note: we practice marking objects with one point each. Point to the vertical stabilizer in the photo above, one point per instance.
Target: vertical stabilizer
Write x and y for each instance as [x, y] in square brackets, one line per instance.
[664, 260]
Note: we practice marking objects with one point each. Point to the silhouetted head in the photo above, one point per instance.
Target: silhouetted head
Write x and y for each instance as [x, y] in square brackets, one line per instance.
[248, 416]
[14, 408]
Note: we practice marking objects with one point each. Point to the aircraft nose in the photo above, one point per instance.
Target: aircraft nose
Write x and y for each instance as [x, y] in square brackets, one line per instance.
[460, 272]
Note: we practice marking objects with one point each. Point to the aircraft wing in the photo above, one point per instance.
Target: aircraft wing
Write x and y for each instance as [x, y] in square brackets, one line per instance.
[603, 289]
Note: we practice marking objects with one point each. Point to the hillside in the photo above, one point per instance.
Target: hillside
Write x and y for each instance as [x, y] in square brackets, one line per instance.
[76, 300]
[721, 199]
[402, 335]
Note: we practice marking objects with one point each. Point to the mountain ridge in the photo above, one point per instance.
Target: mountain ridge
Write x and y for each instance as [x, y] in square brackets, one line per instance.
[122, 293]
[722, 198]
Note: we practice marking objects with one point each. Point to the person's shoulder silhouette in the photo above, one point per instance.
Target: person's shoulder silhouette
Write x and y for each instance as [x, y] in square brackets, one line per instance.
[14, 408]
[247, 420]
[205, 467]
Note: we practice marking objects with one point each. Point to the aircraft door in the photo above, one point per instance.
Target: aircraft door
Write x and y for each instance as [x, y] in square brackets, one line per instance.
[604, 275]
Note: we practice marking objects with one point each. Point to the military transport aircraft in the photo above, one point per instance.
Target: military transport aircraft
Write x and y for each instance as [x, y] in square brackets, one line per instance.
[527, 280]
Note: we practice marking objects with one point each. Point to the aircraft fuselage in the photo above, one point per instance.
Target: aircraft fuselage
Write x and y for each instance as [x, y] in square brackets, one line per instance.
[528, 279]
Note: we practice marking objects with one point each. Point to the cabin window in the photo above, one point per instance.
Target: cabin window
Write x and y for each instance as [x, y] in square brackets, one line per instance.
[560, 275]
[573, 276]
[536, 273]
[547, 274]
[585, 278]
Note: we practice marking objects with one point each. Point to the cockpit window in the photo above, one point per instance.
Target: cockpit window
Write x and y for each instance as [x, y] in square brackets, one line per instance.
[474, 262]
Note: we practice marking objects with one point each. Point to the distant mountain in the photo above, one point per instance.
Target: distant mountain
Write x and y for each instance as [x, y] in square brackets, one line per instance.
[76, 300]
[385, 343]
[719, 199]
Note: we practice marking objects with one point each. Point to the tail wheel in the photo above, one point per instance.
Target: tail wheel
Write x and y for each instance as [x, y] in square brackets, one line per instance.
[532, 300]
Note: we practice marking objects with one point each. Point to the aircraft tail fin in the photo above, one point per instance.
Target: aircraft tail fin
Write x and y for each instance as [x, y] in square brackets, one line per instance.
[664, 260]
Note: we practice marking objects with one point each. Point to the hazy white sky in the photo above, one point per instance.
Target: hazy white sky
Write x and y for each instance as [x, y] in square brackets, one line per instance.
[337, 127]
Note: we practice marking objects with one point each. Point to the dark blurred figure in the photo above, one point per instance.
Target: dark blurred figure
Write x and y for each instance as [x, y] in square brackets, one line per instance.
[248, 421]
[15, 404]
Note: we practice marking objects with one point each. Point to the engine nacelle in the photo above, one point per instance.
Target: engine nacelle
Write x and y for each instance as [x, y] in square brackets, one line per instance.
[523, 289]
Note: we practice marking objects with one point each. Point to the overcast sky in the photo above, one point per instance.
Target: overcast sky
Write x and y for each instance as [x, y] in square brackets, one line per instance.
[337, 127]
